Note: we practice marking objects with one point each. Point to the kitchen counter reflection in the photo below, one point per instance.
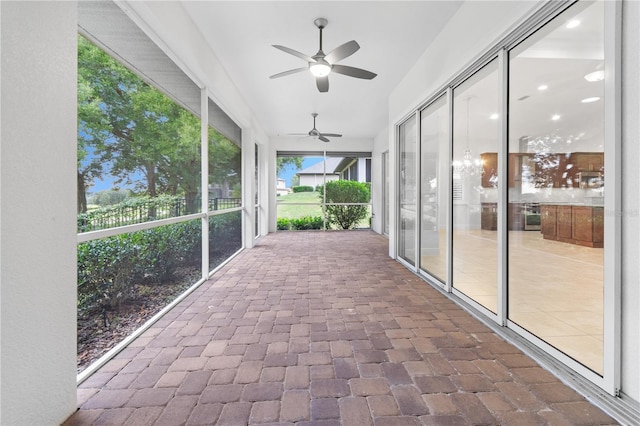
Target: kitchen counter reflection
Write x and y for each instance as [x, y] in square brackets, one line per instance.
[575, 223]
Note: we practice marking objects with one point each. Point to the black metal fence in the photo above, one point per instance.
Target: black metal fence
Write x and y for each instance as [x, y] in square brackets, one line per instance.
[143, 209]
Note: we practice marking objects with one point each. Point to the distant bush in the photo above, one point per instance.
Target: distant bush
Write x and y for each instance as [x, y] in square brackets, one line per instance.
[109, 197]
[300, 224]
[302, 188]
[346, 191]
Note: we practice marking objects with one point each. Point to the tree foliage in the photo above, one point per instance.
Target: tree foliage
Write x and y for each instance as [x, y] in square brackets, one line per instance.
[141, 138]
[346, 191]
[283, 162]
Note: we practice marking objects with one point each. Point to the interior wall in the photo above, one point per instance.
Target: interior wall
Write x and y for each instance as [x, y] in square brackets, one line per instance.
[38, 212]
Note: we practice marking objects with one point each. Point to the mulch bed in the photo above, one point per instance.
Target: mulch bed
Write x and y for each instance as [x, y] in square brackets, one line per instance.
[95, 338]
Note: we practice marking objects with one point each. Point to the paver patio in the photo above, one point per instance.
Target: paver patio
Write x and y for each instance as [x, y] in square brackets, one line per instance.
[323, 328]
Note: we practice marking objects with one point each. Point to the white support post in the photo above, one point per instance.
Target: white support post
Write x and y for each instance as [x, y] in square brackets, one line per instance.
[204, 178]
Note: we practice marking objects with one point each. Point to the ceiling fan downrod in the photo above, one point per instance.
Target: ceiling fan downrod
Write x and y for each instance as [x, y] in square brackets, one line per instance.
[320, 23]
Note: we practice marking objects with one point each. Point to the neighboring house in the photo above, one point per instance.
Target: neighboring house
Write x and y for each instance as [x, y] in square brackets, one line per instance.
[347, 168]
[314, 175]
[281, 187]
[354, 168]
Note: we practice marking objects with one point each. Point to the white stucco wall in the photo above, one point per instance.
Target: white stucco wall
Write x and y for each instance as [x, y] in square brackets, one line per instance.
[380, 145]
[38, 210]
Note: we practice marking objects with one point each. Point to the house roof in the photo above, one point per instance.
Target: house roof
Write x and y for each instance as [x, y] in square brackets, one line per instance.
[319, 168]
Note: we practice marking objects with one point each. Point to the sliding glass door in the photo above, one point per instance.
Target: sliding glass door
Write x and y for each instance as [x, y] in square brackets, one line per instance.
[434, 139]
[556, 184]
[407, 191]
[475, 180]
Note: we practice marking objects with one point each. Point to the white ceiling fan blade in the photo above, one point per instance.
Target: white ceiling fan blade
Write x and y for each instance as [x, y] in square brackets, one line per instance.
[294, 53]
[293, 71]
[353, 72]
[322, 83]
[342, 51]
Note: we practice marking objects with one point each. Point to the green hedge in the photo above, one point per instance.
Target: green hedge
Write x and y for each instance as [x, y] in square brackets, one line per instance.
[300, 224]
[109, 268]
[302, 188]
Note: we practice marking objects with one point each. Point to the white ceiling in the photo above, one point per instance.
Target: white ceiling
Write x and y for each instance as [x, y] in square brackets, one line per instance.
[392, 35]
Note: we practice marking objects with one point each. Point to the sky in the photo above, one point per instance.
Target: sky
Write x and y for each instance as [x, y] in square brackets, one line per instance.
[290, 170]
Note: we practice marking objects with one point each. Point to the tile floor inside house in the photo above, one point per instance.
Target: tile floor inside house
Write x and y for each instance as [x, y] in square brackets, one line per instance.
[323, 328]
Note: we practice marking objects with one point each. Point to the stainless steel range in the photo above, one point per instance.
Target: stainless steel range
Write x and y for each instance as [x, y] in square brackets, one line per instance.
[531, 216]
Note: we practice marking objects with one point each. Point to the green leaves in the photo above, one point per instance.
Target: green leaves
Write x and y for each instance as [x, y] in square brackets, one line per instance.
[346, 191]
[132, 134]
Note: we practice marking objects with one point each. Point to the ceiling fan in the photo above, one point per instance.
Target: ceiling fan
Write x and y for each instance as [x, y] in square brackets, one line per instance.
[316, 133]
[322, 64]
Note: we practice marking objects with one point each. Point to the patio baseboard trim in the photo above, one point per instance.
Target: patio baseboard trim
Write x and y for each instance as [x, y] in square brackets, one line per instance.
[96, 365]
[621, 408]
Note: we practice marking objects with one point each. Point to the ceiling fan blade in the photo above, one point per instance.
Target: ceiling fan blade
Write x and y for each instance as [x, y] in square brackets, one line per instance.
[342, 51]
[282, 74]
[298, 134]
[294, 53]
[332, 135]
[353, 72]
[322, 83]
[323, 139]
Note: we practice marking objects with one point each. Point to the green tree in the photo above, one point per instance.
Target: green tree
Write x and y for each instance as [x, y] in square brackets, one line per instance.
[283, 162]
[346, 191]
[224, 164]
[129, 129]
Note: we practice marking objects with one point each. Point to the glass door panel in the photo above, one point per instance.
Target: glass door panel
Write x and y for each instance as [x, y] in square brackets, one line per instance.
[475, 180]
[434, 136]
[407, 191]
[556, 184]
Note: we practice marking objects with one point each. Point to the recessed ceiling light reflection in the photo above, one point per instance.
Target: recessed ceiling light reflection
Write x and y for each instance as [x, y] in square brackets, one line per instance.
[494, 116]
[555, 117]
[589, 100]
[595, 76]
[573, 23]
[543, 87]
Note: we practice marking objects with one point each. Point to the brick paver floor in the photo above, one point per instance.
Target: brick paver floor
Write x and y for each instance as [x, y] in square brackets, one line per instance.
[323, 328]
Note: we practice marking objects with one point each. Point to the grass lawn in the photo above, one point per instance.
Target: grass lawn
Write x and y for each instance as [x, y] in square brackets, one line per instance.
[288, 209]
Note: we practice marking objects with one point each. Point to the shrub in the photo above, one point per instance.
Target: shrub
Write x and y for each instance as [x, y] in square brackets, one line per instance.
[346, 191]
[164, 249]
[225, 233]
[109, 268]
[109, 197]
[302, 188]
[106, 272]
[307, 222]
[301, 223]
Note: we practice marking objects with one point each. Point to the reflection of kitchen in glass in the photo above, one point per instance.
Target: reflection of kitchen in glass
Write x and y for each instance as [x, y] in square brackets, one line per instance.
[541, 181]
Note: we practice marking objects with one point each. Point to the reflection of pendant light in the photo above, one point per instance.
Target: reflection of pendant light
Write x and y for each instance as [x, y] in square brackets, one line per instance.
[468, 166]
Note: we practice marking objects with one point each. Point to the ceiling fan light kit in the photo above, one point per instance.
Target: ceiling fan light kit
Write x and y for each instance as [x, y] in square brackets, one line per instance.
[321, 65]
